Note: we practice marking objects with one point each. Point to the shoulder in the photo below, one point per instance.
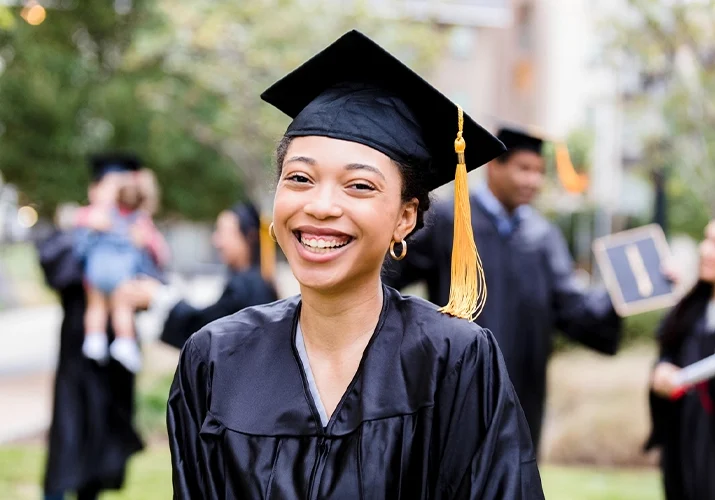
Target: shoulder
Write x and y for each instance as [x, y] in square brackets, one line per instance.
[537, 227]
[251, 287]
[246, 326]
[442, 210]
[446, 339]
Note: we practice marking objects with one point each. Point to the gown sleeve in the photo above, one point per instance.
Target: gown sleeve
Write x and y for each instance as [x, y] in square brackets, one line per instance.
[419, 263]
[486, 449]
[59, 261]
[240, 292]
[187, 407]
[587, 317]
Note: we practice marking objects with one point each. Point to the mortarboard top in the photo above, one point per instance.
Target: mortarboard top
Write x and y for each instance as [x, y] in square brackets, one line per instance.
[515, 139]
[631, 263]
[102, 164]
[355, 90]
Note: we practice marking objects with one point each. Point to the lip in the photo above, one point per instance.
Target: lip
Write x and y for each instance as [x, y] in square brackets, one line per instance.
[319, 258]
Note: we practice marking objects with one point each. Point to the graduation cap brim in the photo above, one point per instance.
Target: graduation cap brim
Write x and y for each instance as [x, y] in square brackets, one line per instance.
[515, 139]
[104, 163]
[356, 58]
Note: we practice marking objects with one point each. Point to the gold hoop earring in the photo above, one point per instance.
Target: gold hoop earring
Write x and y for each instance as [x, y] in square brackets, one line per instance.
[272, 232]
[392, 250]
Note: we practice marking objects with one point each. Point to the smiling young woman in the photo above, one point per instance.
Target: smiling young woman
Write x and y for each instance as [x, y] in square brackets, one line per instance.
[351, 390]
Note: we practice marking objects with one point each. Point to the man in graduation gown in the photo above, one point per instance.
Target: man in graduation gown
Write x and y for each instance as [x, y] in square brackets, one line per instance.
[532, 289]
[91, 436]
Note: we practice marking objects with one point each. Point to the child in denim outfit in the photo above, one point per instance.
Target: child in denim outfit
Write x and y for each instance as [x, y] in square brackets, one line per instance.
[119, 243]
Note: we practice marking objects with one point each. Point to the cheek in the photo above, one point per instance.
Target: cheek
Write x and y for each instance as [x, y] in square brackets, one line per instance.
[285, 203]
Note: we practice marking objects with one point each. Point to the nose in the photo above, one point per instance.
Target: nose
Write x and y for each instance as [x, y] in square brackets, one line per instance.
[324, 204]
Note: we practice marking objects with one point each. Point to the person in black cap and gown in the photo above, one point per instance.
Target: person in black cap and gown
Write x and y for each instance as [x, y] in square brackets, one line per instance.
[237, 238]
[684, 427]
[91, 435]
[533, 290]
[350, 390]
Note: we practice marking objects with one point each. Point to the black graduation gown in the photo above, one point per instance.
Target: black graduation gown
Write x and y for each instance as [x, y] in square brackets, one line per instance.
[430, 413]
[685, 429]
[243, 289]
[531, 292]
[91, 435]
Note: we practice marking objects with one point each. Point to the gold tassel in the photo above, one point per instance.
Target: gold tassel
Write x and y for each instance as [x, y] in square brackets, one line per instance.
[572, 181]
[468, 288]
[268, 251]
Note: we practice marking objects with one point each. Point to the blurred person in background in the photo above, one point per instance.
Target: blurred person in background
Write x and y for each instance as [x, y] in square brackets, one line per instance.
[684, 428]
[92, 435]
[533, 289]
[237, 237]
[119, 243]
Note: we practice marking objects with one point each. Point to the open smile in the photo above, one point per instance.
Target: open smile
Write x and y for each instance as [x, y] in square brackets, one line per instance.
[322, 241]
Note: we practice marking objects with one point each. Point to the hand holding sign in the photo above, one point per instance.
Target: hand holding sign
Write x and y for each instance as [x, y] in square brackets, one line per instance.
[637, 269]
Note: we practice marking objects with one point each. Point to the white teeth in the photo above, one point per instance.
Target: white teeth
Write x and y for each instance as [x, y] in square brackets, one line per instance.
[322, 245]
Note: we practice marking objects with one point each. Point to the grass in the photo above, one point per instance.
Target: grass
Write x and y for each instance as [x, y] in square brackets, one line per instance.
[149, 478]
[22, 276]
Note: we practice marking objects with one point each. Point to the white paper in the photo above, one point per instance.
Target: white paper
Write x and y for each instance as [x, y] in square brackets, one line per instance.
[697, 372]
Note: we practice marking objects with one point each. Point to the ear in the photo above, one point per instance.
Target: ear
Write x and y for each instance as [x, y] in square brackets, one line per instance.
[407, 220]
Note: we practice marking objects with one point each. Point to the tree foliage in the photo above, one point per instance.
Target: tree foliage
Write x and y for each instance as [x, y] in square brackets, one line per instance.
[669, 45]
[238, 49]
[177, 82]
[70, 88]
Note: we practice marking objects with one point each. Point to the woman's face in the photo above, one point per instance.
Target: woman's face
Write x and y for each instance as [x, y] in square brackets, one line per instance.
[230, 242]
[707, 260]
[337, 207]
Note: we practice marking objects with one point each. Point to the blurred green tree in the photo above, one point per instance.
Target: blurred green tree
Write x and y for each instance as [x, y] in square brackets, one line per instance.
[69, 88]
[238, 49]
[669, 45]
[177, 82]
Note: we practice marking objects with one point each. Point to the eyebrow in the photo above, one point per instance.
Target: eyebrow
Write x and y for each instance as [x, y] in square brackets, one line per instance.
[301, 159]
[350, 166]
[361, 166]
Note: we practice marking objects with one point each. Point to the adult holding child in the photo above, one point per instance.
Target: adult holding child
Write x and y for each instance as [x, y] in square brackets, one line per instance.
[92, 435]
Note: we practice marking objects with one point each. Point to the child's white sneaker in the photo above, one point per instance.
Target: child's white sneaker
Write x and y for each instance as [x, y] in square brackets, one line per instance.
[127, 352]
[95, 347]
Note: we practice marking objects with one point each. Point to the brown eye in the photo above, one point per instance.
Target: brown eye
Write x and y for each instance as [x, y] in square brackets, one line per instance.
[297, 178]
[362, 186]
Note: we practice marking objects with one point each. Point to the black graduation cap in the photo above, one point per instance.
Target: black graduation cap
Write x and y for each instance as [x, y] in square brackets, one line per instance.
[630, 262]
[357, 91]
[515, 139]
[105, 163]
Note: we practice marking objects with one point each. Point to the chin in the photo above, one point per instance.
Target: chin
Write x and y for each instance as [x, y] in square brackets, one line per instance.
[319, 280]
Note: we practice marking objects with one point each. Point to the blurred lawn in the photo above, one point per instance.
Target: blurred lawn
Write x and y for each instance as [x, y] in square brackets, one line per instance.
[23, 282]
[149, 478]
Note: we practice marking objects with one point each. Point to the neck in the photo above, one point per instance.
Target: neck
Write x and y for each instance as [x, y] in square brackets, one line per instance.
[334, 322]
[499, 197]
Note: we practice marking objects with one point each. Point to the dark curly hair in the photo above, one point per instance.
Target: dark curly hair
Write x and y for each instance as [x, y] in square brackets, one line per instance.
[413, 181]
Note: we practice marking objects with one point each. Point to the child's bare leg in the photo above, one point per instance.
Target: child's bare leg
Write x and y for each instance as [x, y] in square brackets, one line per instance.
[95, 325]
[122, 317]
[95, 317]
[125, 348]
